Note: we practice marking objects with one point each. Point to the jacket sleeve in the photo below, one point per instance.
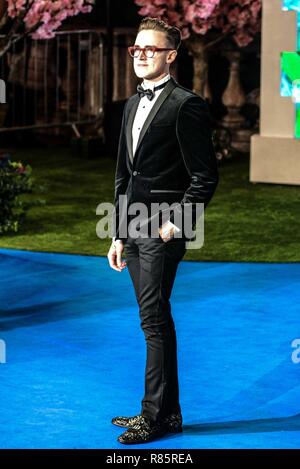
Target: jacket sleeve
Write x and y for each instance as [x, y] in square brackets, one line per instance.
[122, 177]
[194, 134]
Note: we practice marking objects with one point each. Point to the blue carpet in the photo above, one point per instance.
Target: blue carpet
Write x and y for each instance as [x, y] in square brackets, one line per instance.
[76, 353]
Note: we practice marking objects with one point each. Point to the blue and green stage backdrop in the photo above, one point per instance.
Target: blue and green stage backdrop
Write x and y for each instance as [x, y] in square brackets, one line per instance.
[290, 67]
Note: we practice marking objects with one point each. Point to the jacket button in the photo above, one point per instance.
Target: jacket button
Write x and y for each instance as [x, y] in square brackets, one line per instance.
[134, 173]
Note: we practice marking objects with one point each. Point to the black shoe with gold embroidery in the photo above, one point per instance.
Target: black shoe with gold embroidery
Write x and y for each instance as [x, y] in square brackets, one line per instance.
[143, 432]
[173, 422]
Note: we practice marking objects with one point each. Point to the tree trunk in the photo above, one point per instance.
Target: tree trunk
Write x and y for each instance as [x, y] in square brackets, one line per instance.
[196, 47]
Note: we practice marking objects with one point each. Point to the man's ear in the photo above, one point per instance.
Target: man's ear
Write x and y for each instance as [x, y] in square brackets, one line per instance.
[171, 56]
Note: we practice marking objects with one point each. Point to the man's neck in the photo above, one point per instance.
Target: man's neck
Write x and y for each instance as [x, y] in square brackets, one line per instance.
[152, 83]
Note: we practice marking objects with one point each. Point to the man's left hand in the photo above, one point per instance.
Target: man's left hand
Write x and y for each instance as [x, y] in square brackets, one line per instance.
[166, 231]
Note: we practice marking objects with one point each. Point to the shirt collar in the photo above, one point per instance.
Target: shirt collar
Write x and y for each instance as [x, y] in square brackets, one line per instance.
[151, 84]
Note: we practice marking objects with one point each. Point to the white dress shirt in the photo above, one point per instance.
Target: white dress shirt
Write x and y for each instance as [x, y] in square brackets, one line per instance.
[144, 107]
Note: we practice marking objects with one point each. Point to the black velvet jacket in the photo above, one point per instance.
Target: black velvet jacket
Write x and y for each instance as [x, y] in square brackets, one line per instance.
[174, 159]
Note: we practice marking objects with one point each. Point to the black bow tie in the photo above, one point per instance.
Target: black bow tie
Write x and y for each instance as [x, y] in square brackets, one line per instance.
[149, 93]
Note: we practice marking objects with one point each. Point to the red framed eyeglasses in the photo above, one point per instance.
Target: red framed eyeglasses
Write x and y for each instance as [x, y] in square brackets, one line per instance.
[148, 51]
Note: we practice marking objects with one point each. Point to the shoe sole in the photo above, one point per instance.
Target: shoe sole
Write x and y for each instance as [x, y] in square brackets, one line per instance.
[170, 430]
[141, 441]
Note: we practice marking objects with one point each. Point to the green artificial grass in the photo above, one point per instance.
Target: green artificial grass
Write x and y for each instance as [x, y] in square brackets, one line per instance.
[244, 221]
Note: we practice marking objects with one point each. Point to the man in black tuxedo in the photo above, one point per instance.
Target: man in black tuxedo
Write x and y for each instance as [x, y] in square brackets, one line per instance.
[165, 155]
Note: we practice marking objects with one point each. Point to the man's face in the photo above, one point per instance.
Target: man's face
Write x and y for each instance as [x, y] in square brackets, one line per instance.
[157, 66]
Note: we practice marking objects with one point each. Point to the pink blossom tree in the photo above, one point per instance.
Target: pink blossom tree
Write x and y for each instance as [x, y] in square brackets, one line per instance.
[205, 22]
[38, 18]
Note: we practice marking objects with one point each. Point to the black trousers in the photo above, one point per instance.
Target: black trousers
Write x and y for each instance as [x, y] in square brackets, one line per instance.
[152, 265]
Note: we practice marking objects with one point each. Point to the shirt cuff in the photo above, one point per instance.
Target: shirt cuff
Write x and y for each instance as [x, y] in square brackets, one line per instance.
[176, 229]
[168, 224]
[116, 239]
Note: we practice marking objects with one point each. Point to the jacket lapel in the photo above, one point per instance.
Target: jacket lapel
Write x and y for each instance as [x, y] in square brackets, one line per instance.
[160, 100]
